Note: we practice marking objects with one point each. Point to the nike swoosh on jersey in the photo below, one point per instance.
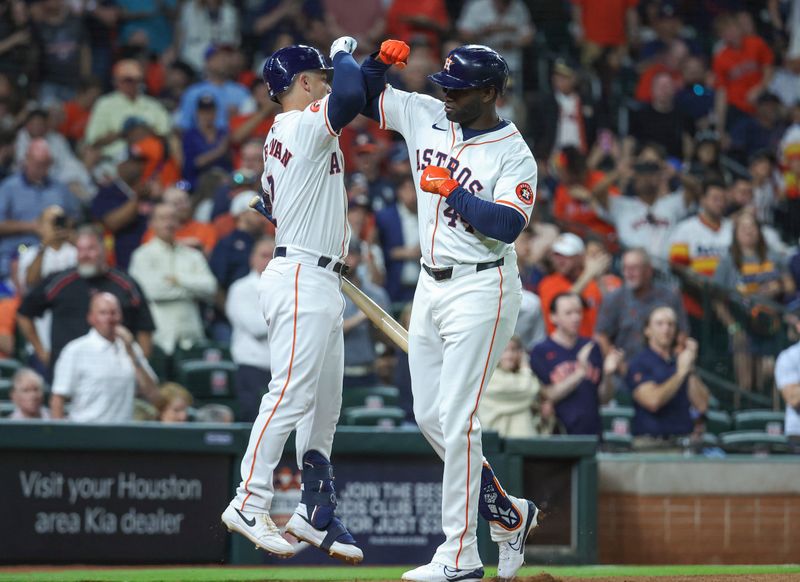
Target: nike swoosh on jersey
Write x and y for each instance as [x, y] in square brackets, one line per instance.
[250, 522]
[434, 126]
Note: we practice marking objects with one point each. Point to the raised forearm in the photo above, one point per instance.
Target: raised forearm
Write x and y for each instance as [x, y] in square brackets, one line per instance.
[560, 390]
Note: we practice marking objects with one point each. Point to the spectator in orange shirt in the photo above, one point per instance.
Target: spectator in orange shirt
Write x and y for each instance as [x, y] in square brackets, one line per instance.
[408, 20]
[574, 195]
[190, 232]
[743, 71]
[8, 327]
[76, 111]
[602, 24]
[576, 273]
[253, 126]
[671, 61]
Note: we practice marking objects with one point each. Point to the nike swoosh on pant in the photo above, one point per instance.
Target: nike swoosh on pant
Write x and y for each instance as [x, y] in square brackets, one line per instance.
[250, 522]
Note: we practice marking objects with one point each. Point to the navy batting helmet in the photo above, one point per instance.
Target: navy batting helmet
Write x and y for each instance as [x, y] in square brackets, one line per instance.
[471, 66]
[281, 68]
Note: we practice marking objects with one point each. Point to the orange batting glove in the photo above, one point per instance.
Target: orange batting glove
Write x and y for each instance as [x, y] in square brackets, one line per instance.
[394, 52]
[437, 180]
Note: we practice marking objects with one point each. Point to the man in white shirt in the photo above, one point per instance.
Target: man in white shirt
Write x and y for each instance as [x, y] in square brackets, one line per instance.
[249, 345]
[174, 277]
[787, 379]
[101, 371]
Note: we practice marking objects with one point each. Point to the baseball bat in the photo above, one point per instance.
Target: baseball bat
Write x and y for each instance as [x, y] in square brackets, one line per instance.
[379, 318]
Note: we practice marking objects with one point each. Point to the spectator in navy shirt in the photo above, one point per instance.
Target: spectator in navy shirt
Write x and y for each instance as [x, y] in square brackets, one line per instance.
[230, 259]
[664, 386]
[124, 206]
[205, 146]
[574, 376]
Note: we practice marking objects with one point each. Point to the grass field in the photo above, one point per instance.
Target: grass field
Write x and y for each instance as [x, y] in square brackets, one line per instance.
[295, 574]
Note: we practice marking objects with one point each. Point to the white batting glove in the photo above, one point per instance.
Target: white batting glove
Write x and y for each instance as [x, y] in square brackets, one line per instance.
[343, 43]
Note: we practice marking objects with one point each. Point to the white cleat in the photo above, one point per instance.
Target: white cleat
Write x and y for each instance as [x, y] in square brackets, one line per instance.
[304, 531]
[436, 572]
[512, 552]
[259, 529]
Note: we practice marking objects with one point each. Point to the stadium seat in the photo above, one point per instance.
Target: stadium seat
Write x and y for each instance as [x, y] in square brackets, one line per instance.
[754, 442]
[623, 398]
[207, 381]
[614, 442]
[9, 367]
[161, 364]
[718, 421]
[764, 420]
[387, 417]
[617, 419]
[370, 397]
[207, 350]
[5, 388]
[6, 408]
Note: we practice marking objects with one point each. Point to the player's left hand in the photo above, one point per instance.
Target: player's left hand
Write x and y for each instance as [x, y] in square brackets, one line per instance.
[437, 180]
[344, 43]
[394, 52]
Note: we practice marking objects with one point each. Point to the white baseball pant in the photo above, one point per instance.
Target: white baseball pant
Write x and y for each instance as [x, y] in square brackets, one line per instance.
[459, 328]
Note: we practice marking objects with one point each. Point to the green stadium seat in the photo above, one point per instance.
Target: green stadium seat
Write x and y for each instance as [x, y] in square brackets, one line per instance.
[623, 398]
[754, 442]
[370, 396]
[718, 421]
[6, 408]
[208, 381]
[616, 443]
[5, 388]
[206, 350]
[764, 420]
[9, 367]
[387, 417]
[161, 363]
[617, 419]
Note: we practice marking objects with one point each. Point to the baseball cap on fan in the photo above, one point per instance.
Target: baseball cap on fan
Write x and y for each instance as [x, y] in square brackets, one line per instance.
[568, 245]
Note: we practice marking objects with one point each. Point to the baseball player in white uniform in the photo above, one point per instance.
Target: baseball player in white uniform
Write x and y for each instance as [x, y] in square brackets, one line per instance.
[476, 183]
[301, 300]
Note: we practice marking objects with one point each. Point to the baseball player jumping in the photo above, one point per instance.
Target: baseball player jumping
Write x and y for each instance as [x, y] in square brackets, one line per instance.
[476, 180]
[301, 300]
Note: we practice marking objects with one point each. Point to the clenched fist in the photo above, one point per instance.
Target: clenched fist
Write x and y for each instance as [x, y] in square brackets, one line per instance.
[344, 43]
[437, 180]
[394, 52]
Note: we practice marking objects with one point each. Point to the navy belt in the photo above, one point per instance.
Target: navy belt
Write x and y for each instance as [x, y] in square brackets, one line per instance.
[444, 273]
[338, 268]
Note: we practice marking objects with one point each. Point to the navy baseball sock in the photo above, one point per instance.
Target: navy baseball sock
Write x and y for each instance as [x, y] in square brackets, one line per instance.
[319, 494]
[494, 504]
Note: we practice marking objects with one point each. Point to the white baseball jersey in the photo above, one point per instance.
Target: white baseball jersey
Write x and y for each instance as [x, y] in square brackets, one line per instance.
[309, 206]
[497, 166]
[460, 325]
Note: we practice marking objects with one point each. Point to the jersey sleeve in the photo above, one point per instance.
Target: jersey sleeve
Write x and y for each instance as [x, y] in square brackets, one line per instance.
[679, 246]
[787, 371]
[402, 111]
[314, 131]
[516, 186]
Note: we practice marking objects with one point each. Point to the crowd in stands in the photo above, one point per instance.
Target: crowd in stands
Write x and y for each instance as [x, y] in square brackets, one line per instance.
[666, 132]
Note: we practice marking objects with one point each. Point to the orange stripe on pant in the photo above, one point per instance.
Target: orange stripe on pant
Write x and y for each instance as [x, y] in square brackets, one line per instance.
[475, 410]
[283, 390]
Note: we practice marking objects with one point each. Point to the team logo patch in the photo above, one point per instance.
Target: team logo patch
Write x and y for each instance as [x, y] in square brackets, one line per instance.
[525, 193]
[315, 106]
[447, 64]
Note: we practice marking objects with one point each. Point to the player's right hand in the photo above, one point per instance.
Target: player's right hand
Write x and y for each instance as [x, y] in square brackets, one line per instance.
[394, 52]
[437, 180]
[344, 43]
